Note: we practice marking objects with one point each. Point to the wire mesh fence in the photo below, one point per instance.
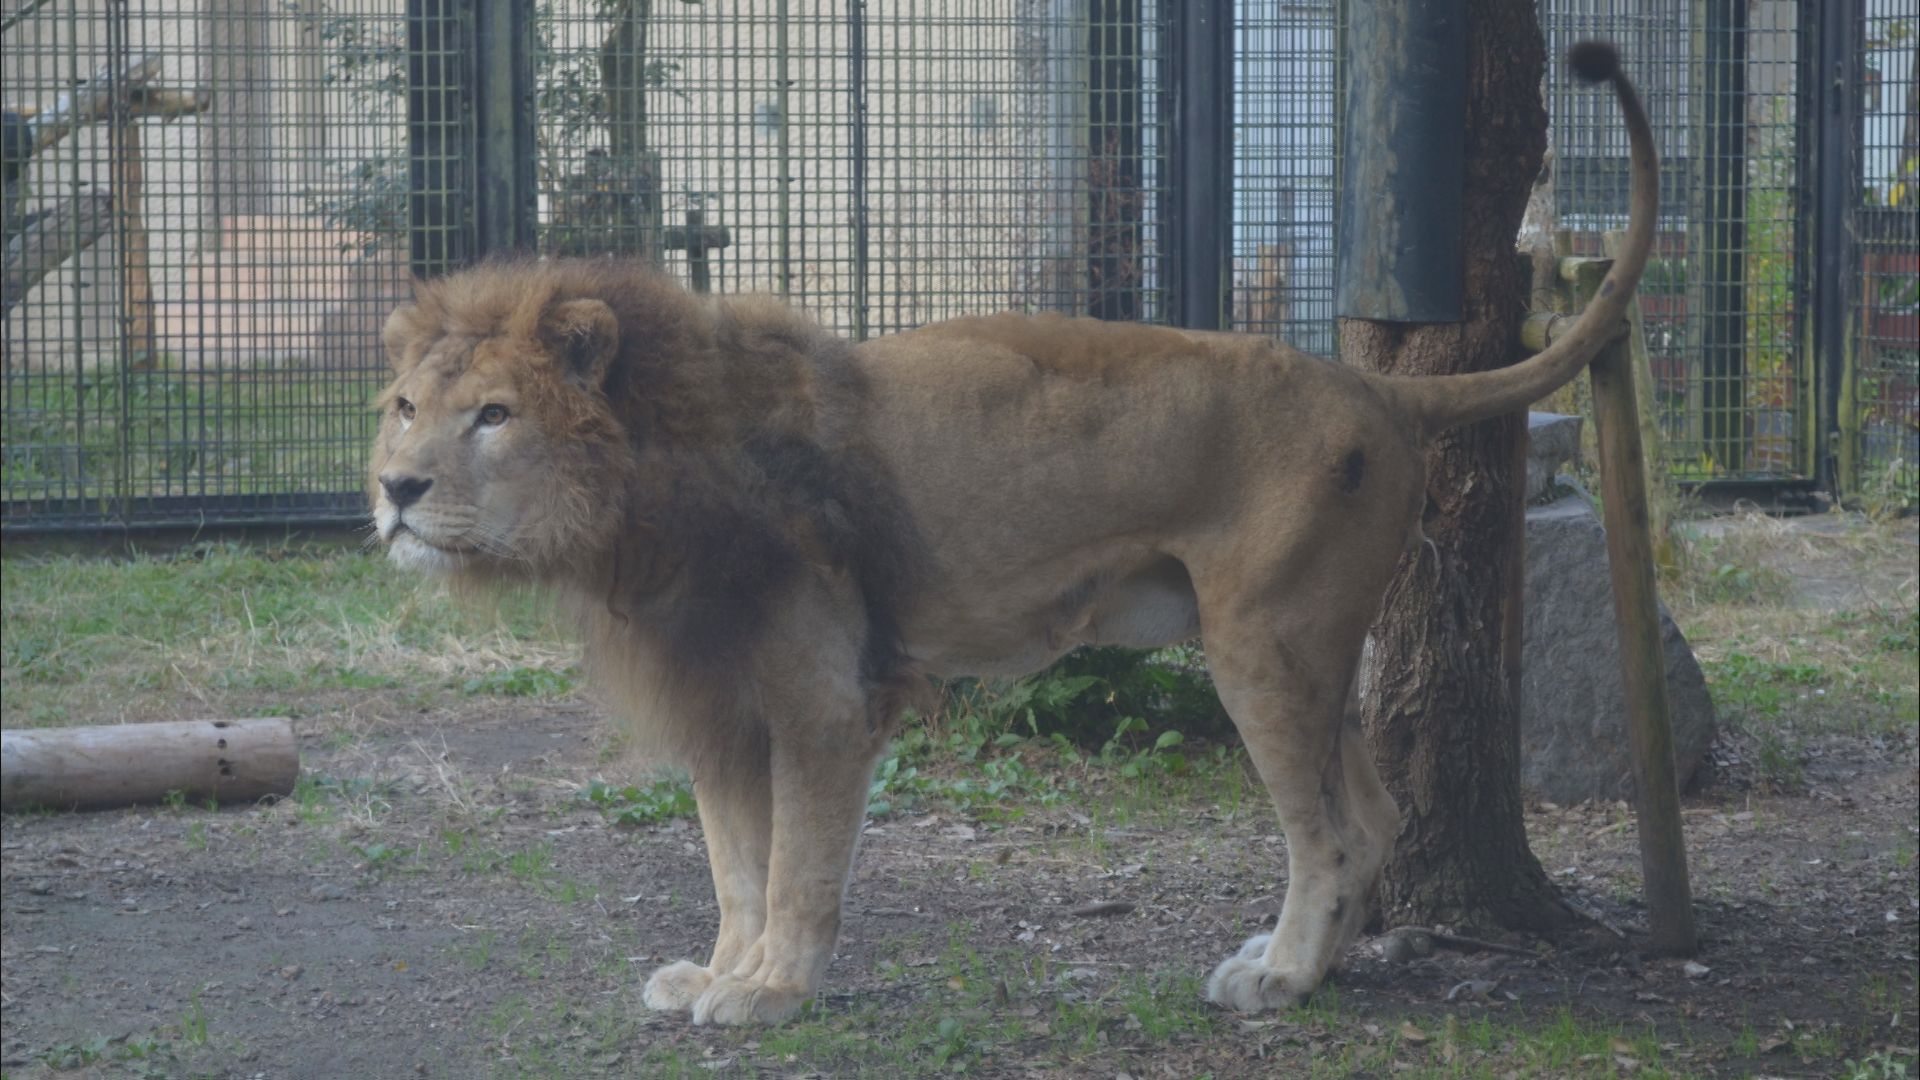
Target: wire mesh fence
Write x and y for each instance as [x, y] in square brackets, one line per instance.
[1732, 385]
[1879, 424]
[194, 282]
[883, 166]
[211, 205]
[1284, 168]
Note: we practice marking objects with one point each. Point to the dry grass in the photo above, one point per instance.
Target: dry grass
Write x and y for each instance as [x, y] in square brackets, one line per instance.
[88, 639]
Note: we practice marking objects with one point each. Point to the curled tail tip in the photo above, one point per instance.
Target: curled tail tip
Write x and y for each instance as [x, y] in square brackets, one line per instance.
[1594, 61]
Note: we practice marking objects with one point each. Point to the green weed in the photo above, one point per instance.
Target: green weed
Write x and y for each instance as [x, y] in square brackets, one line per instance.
[649, 803]
[1879, 1065]
[193, 1023]
[522, 682]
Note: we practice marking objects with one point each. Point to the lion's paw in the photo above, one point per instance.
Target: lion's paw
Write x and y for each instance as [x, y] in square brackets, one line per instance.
[676, 986]
[1245, 982]
[733, 1000]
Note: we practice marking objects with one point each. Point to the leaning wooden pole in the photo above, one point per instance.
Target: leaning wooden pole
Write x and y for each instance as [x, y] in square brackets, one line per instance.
[1663, 851]
[1630, 560]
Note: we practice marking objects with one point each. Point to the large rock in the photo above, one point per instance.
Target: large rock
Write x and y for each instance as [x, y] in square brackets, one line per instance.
[1553, 440]
[1573, 735]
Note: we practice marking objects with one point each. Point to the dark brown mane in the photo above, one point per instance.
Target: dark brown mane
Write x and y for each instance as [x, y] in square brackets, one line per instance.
[743, 419]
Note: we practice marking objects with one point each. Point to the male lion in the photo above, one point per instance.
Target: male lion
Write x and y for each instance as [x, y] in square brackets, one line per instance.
[771, 537]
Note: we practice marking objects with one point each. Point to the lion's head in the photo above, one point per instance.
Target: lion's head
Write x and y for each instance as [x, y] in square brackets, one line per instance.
[501, 450]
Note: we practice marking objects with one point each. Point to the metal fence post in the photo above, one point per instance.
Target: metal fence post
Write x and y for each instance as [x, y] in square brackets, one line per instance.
[1718, 241]
[501, 79]
[1114, 198]
[1200, 164]
[857, 149]
[1830, 44]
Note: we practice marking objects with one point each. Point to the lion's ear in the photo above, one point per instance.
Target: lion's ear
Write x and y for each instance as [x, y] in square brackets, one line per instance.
[401, 332]
[584, 334]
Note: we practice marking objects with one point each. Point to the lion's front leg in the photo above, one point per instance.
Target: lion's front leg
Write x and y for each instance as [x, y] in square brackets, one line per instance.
[820, 778]
[735, 803]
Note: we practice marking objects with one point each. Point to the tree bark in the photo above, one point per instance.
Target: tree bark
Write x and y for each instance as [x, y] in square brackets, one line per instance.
[37, 250]
[1443, 711]
[240, 129]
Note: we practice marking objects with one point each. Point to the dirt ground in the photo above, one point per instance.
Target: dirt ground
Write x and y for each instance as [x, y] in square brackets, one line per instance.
[440, 901]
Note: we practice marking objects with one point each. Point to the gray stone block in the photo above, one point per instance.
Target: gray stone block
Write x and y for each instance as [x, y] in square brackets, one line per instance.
[1553, 440]
[1573, 735]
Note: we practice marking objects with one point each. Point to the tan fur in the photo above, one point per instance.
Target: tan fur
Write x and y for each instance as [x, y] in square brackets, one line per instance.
[771, 538]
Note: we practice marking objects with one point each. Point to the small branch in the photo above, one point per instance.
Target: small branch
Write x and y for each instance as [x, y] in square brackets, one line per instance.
[1452, 941]
[21, 13]
[92, 101]
[1593, 917]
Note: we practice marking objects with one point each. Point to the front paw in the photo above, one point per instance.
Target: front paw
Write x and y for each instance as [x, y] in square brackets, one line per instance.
[1246, 983]
[676, 986]
[733, 1000]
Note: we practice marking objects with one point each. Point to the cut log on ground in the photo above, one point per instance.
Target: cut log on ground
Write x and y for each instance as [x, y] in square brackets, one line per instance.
[93, 768]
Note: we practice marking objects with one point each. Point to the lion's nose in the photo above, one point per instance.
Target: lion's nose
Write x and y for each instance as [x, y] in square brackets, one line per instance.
[404, 491]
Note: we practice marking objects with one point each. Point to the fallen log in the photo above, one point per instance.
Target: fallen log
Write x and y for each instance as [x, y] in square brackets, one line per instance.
[92, 768]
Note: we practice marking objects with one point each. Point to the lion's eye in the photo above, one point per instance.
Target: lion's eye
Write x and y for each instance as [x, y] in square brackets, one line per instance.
[405, 408]
[493, 415]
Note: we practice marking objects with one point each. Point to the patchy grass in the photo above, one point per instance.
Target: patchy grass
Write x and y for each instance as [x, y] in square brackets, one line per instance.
[1807, 631]
[172, 431]
[90, 637]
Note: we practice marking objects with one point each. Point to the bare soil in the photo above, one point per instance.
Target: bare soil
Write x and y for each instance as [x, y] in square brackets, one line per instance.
[445, 904]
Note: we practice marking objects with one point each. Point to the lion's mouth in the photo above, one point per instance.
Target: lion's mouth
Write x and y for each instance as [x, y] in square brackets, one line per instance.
[405, 530]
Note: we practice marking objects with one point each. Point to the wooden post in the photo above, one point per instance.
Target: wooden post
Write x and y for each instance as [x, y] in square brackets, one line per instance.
[1652, 443]
[90, 768]
[1623, 486]
[129, 176]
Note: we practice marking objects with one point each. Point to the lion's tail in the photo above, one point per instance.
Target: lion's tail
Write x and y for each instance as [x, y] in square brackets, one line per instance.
[1447, 401]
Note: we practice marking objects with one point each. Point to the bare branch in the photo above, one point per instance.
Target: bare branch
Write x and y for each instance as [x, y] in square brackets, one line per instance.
[91, 101]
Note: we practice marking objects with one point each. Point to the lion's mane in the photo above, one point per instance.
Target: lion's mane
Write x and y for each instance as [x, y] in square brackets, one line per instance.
[719, 457]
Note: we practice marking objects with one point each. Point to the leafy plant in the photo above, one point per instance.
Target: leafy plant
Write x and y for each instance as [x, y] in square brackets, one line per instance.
[1879, 1065]
[1091, 693]
[642, 804]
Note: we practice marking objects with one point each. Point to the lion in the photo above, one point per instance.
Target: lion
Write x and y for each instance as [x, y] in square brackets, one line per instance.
[772, 539]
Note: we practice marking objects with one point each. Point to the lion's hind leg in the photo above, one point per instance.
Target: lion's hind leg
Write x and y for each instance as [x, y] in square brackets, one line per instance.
[1287, 696]
[735, 802]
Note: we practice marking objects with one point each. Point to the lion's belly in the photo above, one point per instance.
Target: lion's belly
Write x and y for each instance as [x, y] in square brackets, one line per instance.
[1018, 627]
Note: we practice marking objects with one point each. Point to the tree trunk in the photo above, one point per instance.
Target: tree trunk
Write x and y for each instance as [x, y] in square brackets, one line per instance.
[1443, 711]
[240, 129]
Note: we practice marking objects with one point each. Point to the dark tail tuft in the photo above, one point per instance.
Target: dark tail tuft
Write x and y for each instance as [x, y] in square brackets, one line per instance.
[1594, 61]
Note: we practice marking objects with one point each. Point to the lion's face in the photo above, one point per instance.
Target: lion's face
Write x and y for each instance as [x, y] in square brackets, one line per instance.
[491, 456]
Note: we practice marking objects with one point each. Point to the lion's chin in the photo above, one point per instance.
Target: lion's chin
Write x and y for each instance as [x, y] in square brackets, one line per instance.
[407, 551]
